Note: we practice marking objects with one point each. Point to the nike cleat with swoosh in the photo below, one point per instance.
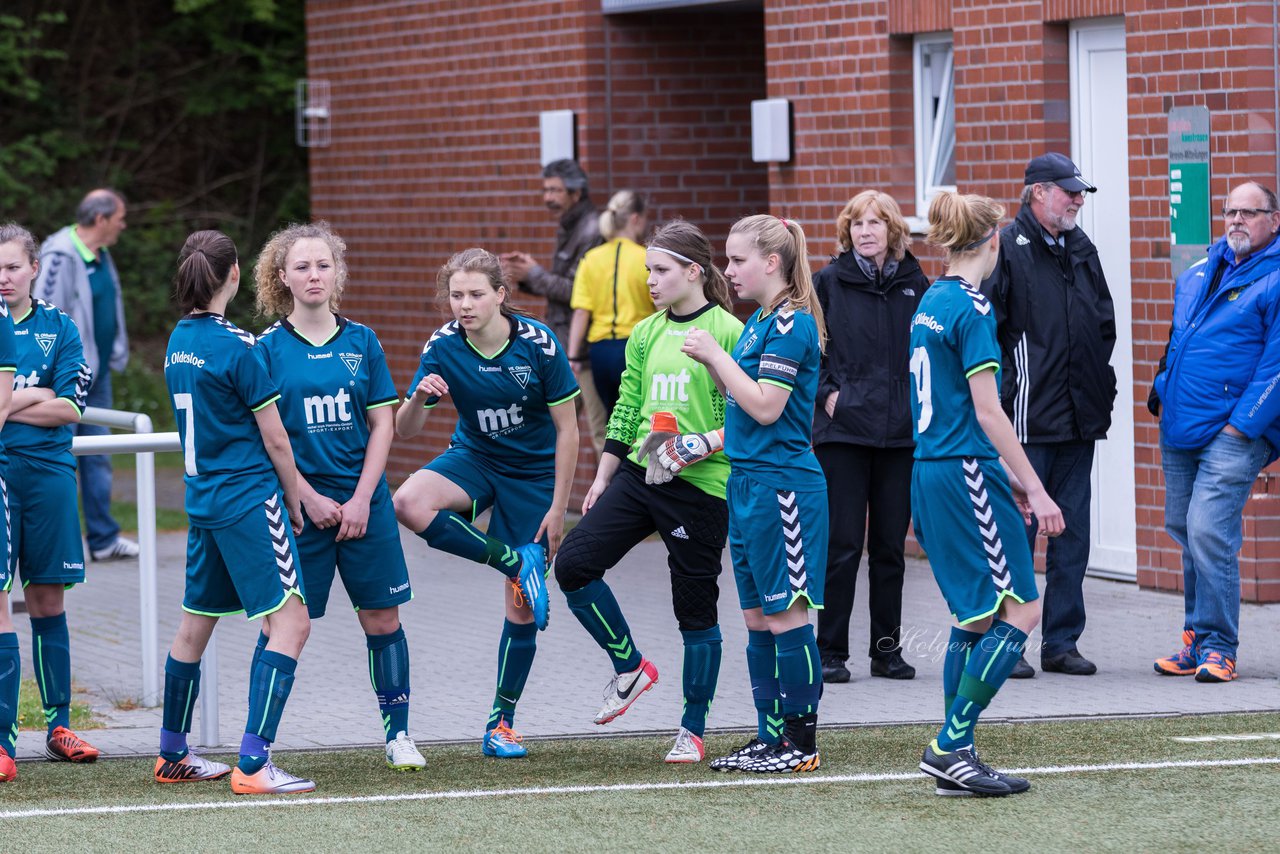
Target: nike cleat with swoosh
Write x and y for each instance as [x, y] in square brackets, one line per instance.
[625, 688]
[189, 769]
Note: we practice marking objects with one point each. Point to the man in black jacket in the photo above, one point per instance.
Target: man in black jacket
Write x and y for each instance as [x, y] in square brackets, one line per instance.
[1057, 331]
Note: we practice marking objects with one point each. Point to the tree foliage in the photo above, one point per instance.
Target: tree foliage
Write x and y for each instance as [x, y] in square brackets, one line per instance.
[185, 106]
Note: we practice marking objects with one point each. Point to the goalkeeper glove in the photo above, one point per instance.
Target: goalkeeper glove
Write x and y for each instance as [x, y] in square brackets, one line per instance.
[688, 448]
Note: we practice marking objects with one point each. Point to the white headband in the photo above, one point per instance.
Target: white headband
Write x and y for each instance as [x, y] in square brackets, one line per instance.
[676, 255]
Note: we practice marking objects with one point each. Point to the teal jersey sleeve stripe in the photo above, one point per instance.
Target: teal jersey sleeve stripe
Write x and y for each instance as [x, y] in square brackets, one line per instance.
[381, 403]
[78, 410]
[13, 369]
[566, 399]
[266, 402]
[778, 383]
[994, 366]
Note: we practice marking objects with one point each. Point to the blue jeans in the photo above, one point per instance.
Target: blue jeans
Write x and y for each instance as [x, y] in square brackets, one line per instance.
[1065, 469]
[95, 474]
[1204, 496]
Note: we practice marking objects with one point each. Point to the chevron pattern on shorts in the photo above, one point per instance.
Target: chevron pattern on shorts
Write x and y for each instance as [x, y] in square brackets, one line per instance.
[985, 515]
[789, 509]
[8, 531]
[278, 524]
[538, 336]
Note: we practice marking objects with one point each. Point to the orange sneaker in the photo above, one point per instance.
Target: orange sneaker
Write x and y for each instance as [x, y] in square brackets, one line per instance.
[65, 746]
[1183, 662]
[8, 768]
[269, 780]
[189, 769]
[1216, 667]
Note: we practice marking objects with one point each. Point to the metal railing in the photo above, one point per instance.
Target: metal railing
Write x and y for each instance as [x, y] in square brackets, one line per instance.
[144, 444]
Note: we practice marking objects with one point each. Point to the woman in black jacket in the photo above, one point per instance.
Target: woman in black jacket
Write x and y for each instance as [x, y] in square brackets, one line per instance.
[862, 425]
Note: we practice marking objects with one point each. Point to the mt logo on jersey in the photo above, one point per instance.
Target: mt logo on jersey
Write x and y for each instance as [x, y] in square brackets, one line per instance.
[328, 409]
[667, 388]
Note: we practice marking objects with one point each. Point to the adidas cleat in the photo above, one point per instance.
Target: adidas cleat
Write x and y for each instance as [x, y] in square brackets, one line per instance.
[189, 769]
[532, 579]
[781, 758]
[624, 689]
[1183, 662]
[1216, 667]
[8, 768]
[269, 780]
[403, 754]
[962, 770]
[687, 749]
[1017, 785]
[733, 761]
[504, 742]
[65, 746]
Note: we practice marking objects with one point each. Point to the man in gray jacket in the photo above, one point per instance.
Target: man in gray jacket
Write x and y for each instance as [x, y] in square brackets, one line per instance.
[78, 276]
[566, 195]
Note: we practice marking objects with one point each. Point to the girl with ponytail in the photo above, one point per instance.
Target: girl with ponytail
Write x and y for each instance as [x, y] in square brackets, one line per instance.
[972, 491]
[776, 491]
[610, 295]
[662, 391]
[242, 501]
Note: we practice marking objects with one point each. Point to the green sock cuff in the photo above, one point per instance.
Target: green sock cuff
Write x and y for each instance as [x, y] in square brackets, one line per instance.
[976, 691]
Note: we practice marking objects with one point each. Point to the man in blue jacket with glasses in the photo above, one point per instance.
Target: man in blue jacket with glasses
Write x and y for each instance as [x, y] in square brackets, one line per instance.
[1216, 395]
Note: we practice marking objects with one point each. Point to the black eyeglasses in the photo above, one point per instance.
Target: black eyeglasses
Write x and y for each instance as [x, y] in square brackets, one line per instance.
[1247, 214]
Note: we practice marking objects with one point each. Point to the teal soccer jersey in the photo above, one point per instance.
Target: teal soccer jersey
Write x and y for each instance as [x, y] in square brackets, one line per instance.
[953, 336]
[503, 400]
[49, 356]
[326, 389]
[778, 348]
[216, 382]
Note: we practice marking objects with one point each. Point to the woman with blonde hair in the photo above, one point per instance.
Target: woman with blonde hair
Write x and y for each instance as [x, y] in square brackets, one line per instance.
[337, 410]
[610, 295]
[972, 491]
[862, 426]
[776, 492]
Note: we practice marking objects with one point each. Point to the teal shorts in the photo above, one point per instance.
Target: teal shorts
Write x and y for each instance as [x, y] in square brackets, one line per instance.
[44, 527]
[964, 516]
[778, 544]
[372, 567]
[519, 503]
[249, 566]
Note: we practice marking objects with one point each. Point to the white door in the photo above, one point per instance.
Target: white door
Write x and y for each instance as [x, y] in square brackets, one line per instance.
[1100, 147]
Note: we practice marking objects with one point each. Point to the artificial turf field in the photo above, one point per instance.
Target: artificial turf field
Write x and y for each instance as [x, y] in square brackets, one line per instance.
[1211, 795]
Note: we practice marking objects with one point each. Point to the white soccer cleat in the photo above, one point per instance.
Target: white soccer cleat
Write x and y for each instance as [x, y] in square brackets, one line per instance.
[268, 780]
[624, 689]
[189, 769]
[403, 754]
[687, 749]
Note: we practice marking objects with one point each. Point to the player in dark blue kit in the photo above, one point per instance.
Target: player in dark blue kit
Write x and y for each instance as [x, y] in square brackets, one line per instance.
[972, 491]
[514, 449]
[18, 266]
[336, 406]
[242, 502]
[776, 491]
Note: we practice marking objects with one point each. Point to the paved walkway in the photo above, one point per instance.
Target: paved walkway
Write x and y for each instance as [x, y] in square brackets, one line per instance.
[453, 627]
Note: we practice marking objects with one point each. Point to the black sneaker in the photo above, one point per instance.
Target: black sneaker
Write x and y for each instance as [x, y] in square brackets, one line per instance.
[734, 760]
[781, 758]
[1022, 670]
[1017, 785]
[834, 671]
[892, 666]
[962, 769]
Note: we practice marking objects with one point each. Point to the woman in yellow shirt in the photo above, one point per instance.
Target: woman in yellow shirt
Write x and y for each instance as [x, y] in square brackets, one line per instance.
[610, 295]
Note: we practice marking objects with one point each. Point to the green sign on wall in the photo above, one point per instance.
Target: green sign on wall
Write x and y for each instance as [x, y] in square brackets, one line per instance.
[1190, 228]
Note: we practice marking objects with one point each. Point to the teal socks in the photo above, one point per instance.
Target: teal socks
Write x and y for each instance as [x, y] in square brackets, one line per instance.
[181, 688]
[799, 671]
[51, 646]
[450, 533]
[10, 686]
[516, 649]
[702, 653]
[269, 687]
[598, 611]
[958, 650]
[762, 667]
[991, 660]
[389, 675]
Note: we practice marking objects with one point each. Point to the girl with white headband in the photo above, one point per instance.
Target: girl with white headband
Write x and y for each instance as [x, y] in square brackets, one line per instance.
[663, 392]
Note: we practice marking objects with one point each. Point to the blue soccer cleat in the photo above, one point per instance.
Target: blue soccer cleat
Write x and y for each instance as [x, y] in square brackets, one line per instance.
[504, 742]
[533, 572]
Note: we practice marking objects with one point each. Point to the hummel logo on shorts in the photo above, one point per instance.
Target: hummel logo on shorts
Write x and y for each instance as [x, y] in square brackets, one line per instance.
[679, 532]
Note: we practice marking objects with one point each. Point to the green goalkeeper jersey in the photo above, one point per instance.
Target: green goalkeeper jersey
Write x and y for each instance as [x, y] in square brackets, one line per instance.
[659, 378]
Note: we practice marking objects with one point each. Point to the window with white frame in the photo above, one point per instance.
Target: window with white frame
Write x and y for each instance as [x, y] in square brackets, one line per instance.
[935, 118]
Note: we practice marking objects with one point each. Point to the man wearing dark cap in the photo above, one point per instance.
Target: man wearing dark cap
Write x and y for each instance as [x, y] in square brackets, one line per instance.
[1057, 330]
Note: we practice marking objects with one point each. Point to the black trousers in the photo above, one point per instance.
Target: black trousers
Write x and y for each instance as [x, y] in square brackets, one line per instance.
[869, 495]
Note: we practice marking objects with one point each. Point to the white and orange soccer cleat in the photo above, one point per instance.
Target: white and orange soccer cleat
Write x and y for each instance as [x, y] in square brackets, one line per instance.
[189, 769]
[269, 780]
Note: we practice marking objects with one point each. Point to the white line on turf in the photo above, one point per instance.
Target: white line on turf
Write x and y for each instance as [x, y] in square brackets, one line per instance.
[1247, 736]
[732, 782]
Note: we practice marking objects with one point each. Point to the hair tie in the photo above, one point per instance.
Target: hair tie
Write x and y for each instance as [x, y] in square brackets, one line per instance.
[784, 222]
[674, 254]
